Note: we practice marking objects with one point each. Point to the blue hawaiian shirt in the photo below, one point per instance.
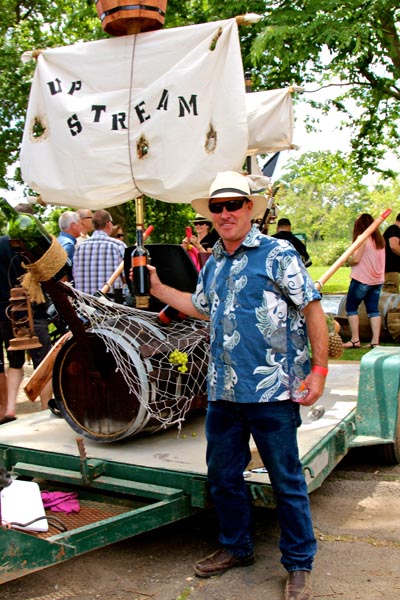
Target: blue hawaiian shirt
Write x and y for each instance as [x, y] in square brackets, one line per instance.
[255, 300]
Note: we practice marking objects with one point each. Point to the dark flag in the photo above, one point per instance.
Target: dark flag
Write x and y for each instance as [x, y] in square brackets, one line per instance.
[269, 167]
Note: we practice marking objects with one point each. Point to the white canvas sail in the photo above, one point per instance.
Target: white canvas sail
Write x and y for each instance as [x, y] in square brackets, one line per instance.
[157, 113]
[270, 120]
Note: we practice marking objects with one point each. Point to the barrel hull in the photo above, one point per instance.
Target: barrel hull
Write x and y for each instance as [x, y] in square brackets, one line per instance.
[101, 405]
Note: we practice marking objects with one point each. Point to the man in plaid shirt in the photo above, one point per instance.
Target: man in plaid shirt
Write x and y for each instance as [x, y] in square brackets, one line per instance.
[97, 258]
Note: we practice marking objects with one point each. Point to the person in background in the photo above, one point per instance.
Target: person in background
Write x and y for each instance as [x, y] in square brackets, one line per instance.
[367, 277]
[127, 298]
[118, 233]
[263, 309]
[86, 216]
[10, 272]
[284, 232]
[205, 237]
[392, 257]
[3, 382]
[70, 226]
[98, 257]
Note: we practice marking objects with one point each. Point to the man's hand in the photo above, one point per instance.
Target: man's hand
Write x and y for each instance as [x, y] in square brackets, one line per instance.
[315, 384]
[155, 283]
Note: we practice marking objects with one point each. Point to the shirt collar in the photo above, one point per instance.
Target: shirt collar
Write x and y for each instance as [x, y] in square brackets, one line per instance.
[252, 240]
[100, 233]
[68, 235]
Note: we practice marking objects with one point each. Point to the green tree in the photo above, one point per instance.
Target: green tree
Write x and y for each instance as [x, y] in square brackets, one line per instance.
[29, 26]
[169, 220]
[385, 195]
[304, 41]
[328, 42]
[321, 195]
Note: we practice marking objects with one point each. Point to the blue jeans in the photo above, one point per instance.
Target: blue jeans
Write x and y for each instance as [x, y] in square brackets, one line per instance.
[273, 426]
[358, 292]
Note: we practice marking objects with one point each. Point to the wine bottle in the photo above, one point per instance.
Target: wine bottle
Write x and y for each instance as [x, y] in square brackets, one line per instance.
[141, 276]
[26, 233]
[169, 314]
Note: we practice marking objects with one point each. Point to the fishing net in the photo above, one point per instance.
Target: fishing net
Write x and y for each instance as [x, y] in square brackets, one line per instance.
[164, 367]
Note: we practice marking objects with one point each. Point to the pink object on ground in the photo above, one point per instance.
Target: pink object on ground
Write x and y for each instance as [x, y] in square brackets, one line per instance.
[61, 501]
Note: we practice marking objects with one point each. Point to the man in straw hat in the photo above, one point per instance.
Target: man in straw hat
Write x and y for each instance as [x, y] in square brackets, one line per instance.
[259, 298]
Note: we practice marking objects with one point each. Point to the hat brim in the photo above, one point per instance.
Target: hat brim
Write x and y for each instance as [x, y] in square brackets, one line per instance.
[200, 219]
[200, 205]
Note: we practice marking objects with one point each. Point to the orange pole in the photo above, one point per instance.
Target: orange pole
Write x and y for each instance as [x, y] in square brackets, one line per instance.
[342, 259]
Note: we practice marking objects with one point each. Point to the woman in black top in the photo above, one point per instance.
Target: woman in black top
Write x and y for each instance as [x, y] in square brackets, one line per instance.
[205, 237]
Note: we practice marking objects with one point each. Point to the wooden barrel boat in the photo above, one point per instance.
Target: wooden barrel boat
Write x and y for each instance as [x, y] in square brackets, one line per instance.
[99, 404]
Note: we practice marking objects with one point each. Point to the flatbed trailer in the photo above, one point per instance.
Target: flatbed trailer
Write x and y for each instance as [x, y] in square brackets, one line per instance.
[137, 485]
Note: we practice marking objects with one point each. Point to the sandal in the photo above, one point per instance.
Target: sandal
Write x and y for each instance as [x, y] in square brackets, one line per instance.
[370, 345]
[7, 419]
[52, 406]
[351, 344]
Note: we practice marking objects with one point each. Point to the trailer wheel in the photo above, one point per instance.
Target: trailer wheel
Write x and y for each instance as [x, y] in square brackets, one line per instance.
[390, 453]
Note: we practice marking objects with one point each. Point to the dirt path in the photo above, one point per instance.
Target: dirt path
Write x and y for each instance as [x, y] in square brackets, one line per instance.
[357, 522]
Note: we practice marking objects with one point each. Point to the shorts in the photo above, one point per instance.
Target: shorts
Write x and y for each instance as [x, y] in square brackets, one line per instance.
[16, 358]
[359, 292]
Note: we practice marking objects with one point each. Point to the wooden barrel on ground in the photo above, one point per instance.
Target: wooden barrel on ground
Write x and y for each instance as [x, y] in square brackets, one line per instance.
[100, 405]
[389, 307]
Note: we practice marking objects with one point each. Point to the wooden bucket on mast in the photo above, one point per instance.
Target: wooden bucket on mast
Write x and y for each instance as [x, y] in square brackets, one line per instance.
[124, 17]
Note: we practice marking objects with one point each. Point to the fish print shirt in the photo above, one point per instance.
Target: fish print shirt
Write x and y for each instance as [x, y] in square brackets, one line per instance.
[255, 300]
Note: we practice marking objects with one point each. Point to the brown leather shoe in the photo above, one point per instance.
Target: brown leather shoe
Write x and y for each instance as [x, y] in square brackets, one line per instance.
[298, 586]
[219, 562]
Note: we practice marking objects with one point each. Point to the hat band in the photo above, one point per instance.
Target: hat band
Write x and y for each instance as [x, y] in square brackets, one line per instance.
[223, 191]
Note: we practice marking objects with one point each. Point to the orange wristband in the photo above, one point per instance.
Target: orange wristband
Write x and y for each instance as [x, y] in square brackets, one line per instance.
[320, 370]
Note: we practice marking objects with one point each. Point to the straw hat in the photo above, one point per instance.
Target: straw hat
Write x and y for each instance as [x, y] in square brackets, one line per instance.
[229, 184]
[198, 218]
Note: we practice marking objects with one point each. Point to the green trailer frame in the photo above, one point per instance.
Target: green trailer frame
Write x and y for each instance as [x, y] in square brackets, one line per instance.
[129, 488]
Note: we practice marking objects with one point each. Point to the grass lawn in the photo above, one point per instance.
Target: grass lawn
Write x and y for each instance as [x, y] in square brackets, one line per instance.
[337, 284]
[354, 354]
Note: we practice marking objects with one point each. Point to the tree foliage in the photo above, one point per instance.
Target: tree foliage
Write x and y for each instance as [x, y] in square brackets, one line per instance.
[309, 42]
[355, 44]
[29, 26]
[322, 197]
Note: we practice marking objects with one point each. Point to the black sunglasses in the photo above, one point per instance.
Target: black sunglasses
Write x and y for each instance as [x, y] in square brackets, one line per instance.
[119, 235]
[230, 205]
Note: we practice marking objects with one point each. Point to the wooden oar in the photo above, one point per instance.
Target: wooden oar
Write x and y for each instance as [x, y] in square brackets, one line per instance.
[43, 372]
[347, 253]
